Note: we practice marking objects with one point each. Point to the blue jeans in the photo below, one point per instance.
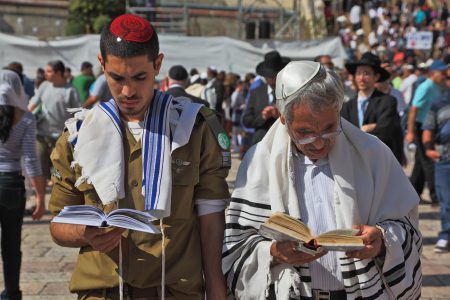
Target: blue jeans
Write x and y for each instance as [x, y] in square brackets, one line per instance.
[442, 184]
[12, 207]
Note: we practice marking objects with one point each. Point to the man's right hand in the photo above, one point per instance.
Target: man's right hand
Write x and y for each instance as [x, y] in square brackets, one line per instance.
[433, 155]
[101, 239]
[409, 137]
[286, 252]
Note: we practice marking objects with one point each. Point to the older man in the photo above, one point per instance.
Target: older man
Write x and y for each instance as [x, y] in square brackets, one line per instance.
[319, 168]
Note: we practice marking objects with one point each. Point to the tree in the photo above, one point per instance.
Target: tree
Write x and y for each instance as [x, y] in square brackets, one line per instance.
[87, 16]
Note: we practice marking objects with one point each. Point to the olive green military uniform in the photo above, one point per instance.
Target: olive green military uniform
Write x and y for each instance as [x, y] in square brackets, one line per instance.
[199, 170]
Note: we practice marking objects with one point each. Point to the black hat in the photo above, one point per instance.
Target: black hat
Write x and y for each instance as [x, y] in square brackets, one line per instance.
[371, 60]
[272, 64]
[178, 72]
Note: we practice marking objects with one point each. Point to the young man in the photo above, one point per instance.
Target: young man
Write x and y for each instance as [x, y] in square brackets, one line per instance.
[436, 142]
[50, 104]
[83, 81]
[373, 111]
[427, 92]
[143, 150]
[260, 111]
[317, 167]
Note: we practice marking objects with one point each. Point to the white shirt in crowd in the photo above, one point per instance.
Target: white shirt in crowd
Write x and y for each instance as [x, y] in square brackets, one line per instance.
[407, 87]
[355, 14]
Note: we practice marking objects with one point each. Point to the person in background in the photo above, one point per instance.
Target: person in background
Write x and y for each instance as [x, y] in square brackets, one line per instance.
[178, 77]
[40, 78]
[436, 142]
[325, 60]
[214, 90]
[83, 81]
[425, 94]
[17, 141]
[27, 82]
[373, 111]
[49, 105]
[260, 111]
[68, 75]
[99, 92]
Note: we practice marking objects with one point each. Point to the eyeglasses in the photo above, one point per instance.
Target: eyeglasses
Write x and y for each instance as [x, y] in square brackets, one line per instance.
[314, 137]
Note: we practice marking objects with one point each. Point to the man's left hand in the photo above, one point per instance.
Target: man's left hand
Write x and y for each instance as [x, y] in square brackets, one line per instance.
[373, 243]
[368, 127]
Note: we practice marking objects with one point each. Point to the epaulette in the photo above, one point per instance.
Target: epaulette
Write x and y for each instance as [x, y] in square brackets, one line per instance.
[212, 118]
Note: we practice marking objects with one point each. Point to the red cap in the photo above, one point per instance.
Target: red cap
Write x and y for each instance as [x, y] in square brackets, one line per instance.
[131, 28]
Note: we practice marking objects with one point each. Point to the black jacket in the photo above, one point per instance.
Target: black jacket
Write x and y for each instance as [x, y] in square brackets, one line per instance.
[382, 110]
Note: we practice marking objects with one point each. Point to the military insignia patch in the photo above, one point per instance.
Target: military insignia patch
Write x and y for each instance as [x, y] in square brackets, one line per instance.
[226, 159]
[56, 174]
[224, 141]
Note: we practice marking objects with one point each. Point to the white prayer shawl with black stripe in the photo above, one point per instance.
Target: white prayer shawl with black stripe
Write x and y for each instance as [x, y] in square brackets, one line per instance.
[98, 148]
[370, 188]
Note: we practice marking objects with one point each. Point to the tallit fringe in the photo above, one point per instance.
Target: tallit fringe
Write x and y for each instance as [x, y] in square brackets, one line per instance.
[81, 180]
[163, 261]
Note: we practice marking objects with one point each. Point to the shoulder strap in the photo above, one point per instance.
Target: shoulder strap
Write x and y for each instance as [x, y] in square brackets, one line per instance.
[213, 121]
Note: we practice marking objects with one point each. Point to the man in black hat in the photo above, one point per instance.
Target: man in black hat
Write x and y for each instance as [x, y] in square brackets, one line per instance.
[373, 111]
[178, 76]
[261, 111]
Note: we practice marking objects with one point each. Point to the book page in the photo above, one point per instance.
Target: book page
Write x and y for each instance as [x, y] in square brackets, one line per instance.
[288, 222]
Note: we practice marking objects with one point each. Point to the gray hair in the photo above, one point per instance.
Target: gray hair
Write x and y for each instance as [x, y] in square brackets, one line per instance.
[323, 90]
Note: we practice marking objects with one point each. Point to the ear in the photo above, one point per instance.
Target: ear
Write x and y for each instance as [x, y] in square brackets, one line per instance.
[102, 62]
[157, 63]
[283, 120]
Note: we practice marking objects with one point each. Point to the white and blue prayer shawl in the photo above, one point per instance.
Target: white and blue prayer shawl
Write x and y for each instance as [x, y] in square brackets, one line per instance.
[370, 188]
[101, 156]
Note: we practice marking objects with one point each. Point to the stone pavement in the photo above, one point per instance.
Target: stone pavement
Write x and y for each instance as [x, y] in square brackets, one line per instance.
[46, 267]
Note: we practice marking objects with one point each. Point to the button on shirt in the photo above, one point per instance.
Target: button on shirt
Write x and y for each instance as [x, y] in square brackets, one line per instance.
[315, 189]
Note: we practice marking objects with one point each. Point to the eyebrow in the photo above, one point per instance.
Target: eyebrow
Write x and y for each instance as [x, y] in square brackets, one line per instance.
[304, 129]
[121, 77]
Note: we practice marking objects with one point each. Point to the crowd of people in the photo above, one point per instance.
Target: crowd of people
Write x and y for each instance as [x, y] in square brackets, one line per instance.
[300, 128]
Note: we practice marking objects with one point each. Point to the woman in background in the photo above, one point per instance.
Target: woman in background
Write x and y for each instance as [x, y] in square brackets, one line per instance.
[17, 140]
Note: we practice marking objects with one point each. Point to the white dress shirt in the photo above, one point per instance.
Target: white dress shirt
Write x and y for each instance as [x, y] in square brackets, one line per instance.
[315, 189]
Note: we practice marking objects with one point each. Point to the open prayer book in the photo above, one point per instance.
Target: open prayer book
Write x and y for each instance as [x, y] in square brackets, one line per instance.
[282, 227]
[93, 216]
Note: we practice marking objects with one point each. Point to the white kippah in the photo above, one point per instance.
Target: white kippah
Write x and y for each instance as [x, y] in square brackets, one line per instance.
[294, 77]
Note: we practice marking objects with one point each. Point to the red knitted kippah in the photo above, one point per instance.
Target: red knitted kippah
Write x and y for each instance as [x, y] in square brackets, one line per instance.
[131, 28]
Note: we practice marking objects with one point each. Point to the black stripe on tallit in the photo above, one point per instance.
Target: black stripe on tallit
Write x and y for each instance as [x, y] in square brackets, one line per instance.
[251, 247]
[416, 269]
[249, 203]
[246, 212]
[353, 273]
[239, 244]
[242, 217]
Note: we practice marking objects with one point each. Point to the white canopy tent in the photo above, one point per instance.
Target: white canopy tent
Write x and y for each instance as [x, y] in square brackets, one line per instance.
[225, 53]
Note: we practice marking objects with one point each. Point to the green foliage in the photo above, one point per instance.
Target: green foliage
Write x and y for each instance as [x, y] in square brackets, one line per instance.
[88, 16]
[99, 22]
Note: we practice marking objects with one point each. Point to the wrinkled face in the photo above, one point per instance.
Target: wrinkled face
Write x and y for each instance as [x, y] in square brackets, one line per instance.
[131, 81]
[307, 123]
[365, 78]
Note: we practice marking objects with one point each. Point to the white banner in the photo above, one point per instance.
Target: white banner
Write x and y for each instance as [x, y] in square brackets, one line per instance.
[421, 40]
[227, 54]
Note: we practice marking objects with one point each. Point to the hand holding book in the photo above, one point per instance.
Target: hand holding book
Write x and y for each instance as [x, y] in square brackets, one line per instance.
[282, 227]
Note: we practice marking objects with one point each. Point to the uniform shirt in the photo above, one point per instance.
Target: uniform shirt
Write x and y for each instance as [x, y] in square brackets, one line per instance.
[315, 189]
[423, 97]
[201, 176]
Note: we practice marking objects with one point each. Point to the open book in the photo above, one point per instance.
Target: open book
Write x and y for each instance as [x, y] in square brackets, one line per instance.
[282, 227]
[93, 216]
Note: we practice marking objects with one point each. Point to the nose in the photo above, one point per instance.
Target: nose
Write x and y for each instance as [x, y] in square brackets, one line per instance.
[319, 143]
[128, 90]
